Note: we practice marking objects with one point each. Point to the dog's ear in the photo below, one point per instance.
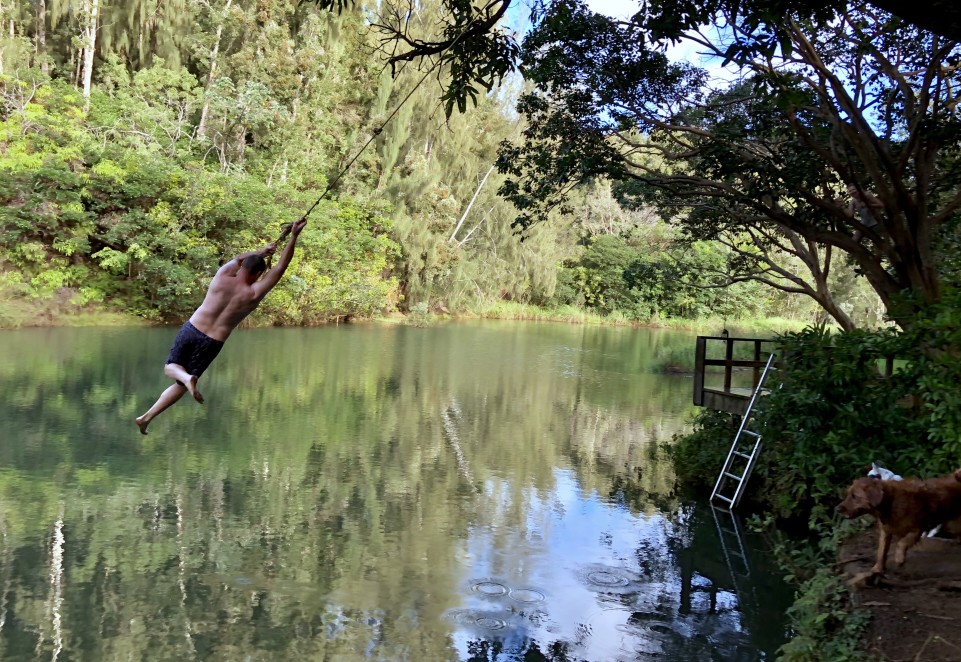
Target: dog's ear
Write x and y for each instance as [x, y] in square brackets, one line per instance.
[875, 493]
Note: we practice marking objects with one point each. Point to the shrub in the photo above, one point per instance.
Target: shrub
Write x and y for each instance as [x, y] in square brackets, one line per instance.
[699, 456]
[828, 414]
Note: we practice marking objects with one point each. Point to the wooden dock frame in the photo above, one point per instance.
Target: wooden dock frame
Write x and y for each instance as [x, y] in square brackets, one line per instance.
[733, 401]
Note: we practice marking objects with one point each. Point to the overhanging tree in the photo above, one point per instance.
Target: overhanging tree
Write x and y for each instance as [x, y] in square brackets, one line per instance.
[762, 164]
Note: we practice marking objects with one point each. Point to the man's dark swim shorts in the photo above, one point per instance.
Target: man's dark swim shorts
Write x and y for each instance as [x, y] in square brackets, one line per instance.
[194, 349]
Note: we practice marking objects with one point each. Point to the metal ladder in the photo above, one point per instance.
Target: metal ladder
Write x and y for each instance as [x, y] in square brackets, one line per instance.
[739, 454]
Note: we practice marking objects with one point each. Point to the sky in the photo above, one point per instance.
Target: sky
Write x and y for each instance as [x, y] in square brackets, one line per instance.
[614, 8]
[518, 19]
[683, 51]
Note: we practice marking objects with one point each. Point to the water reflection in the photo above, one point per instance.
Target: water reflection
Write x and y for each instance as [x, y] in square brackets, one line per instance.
[484, 491]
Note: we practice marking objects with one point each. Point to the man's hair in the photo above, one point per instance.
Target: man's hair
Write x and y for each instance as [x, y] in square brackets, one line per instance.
[255, 264]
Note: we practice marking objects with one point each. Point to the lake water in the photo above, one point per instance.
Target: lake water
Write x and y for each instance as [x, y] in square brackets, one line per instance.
[483, 491]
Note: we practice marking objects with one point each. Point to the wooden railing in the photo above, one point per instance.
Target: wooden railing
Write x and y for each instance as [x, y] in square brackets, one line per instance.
[726, 398]
[732, 399]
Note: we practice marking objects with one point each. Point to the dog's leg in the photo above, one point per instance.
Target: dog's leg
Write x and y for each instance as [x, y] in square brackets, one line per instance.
[884, 541]
[905, 543]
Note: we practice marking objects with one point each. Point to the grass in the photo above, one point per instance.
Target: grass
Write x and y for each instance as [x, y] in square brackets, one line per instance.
[746, 327]
[750, 327]
[18, 312]
[511, 310]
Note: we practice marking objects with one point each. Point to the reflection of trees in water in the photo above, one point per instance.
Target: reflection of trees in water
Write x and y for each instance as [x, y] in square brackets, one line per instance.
[481, 650]
[262, 522]
[156, 579]
[715, 578]
[613, 451]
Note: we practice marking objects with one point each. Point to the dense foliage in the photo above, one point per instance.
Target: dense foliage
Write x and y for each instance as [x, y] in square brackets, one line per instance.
[109, 223]
[195, 142]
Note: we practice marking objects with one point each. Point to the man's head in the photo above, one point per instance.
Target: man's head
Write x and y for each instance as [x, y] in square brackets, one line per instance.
[253, 267]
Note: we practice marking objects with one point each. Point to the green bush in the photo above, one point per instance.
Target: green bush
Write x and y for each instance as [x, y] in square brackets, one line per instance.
[565, 291]
[829, 413]
[115, 216]
[699, 456]
[618, 273]
[934, 337]
[825, 624]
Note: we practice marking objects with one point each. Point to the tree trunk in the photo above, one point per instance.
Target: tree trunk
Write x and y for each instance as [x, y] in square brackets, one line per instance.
[830, 306]
[12, 33]
[42, 36]
[212, 73]
[1, 48]
[90, 16]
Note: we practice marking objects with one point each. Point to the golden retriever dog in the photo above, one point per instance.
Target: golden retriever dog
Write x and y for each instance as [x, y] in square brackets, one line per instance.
[905, 509]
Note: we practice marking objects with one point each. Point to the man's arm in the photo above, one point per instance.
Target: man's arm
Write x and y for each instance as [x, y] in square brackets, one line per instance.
[233, 266]
[272, 277]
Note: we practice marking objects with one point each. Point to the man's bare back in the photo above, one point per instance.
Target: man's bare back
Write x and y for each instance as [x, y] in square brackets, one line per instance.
[235, 291]
[228, 301]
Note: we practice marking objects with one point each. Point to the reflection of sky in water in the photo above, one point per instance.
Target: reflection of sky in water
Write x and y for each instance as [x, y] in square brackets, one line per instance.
[571, 537]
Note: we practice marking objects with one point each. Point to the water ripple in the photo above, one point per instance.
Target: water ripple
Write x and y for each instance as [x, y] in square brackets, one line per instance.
[609, 579]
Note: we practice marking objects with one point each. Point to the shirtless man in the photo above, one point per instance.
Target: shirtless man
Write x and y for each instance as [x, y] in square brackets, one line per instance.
[233, 294]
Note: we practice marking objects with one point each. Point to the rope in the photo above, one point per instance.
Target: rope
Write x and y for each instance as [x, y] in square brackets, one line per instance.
[286, 227]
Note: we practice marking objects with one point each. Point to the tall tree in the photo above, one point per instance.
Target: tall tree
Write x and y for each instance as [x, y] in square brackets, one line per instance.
[89, 22]
[221, 18]
[42, 36]
[3, 12]
[473, 44]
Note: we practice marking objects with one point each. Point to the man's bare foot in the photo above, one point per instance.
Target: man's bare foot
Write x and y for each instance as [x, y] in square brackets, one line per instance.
[192, 388]
[142, 424]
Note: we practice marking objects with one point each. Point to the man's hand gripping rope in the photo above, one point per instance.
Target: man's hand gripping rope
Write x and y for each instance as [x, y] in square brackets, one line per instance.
[285, 231]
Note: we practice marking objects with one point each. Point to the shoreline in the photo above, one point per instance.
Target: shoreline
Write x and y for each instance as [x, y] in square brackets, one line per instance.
[511, 313]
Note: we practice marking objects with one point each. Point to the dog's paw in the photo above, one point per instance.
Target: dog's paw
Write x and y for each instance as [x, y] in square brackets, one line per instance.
[866, 578]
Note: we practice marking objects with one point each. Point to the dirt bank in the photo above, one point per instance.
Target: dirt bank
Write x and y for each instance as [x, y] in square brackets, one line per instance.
[916, 609]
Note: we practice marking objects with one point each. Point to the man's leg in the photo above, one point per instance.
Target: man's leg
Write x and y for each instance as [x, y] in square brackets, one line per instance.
[166, 399]
[178, 373]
